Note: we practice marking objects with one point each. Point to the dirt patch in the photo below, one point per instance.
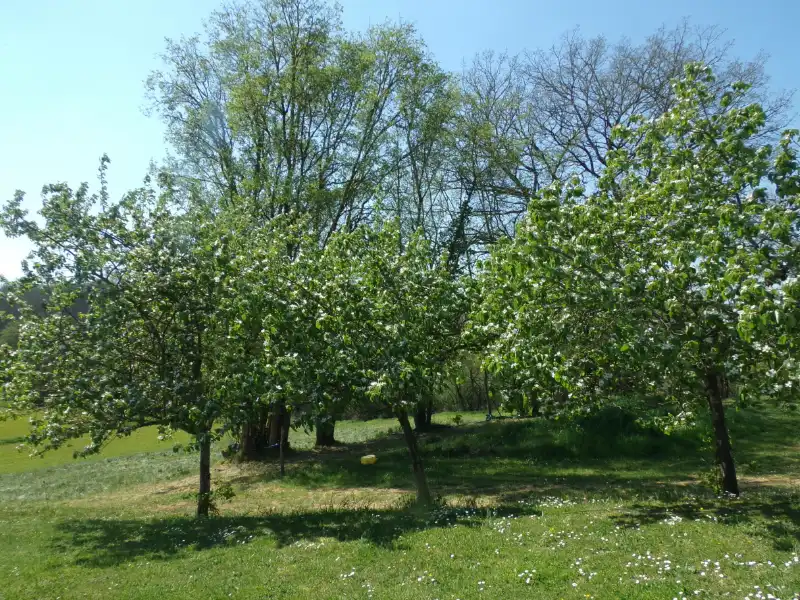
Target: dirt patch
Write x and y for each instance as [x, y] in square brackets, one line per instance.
[782, 481]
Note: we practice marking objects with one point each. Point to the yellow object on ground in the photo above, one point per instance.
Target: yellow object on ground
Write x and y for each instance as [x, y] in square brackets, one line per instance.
[369, 459]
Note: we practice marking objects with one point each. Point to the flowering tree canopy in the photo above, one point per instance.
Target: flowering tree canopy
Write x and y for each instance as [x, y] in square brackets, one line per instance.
[675, 277]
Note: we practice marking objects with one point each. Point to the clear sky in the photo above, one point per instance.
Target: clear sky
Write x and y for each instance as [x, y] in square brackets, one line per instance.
[72, 71]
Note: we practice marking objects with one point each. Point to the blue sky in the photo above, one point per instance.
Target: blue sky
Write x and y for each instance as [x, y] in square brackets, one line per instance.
[72, 71]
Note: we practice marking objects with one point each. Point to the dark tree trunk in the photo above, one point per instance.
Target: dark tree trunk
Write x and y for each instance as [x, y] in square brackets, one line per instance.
[722, 441]
[248, 445]
[284, 438]
[475, 390]
[423, 415]
[325, 429]
[460, 398]
[286, 421]
[274, 426]
[419, 417]
[423, 491]
[276, 430]
[486, 391]
[254, 439]
[204, 495]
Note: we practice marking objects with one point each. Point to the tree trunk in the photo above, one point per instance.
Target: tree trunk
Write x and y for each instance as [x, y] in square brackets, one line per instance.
[254, 438]
[423, 415]
[460, 398]
[274, 426]
[325, 428]
[486, 391]
[204, 495]
[281, 445]
[423, 492]
[419, 417]
[286, 421]
[722, 441]
[248, 445]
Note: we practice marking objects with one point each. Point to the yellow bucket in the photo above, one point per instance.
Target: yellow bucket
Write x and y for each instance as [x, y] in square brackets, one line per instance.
[369, 459]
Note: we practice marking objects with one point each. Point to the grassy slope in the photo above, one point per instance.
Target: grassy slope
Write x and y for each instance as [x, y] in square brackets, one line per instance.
[16, 460]
[576, 514]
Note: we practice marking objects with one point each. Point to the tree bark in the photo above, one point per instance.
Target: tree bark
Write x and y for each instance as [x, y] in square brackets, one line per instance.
[286, 421]
[423, 415]
[460, 398]
[722, 441]
[281, 445]
[204, 495]
[275, 426]
[417, 468]
[486, 391]
[325, 429]
[254, 439]
[247, 442]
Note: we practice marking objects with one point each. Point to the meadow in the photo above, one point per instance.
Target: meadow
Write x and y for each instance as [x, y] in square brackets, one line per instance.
[595, 508]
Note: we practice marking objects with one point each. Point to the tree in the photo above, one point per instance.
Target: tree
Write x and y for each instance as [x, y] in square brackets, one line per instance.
[143, 350]
[397, 319]
[278, 358]
[277, 104]
[545, 115]
[676, 278]
[278, 110]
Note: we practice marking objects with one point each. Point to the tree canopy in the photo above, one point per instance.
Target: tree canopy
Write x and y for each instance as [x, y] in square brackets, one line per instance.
[674, 278]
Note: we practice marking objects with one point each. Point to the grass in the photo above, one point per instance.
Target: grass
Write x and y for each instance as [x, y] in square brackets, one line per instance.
[528, 509]
[14, 459]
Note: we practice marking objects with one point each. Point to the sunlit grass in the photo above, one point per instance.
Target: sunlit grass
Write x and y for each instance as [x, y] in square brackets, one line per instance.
[16, 460]
[529, 509]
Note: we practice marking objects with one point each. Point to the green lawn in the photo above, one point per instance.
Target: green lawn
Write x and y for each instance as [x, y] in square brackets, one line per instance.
[529, 509]
[16, 460]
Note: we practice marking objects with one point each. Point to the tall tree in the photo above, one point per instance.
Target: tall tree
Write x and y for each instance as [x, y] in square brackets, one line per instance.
[549, 114]
[279, 110]
[277, 104]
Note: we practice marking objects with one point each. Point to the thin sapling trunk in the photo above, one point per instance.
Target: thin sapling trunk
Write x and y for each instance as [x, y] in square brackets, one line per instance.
[204, 494]
[417, 468]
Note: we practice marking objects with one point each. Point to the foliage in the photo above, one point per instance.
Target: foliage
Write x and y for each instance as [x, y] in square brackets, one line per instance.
[675, 278]
[277, 106]
[396, 321]
[679, 260]
[143, 352]
[399, 311]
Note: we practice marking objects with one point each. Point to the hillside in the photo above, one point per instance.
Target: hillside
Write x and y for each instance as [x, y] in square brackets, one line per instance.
[527, 508]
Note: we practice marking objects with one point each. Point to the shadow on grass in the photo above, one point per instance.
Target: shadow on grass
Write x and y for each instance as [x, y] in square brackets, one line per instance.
[607, 455]
[13, 440]
[517, 460]
[492, 456]
[765, 441]
[774, 516]
[499, 457]
[108, 542]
